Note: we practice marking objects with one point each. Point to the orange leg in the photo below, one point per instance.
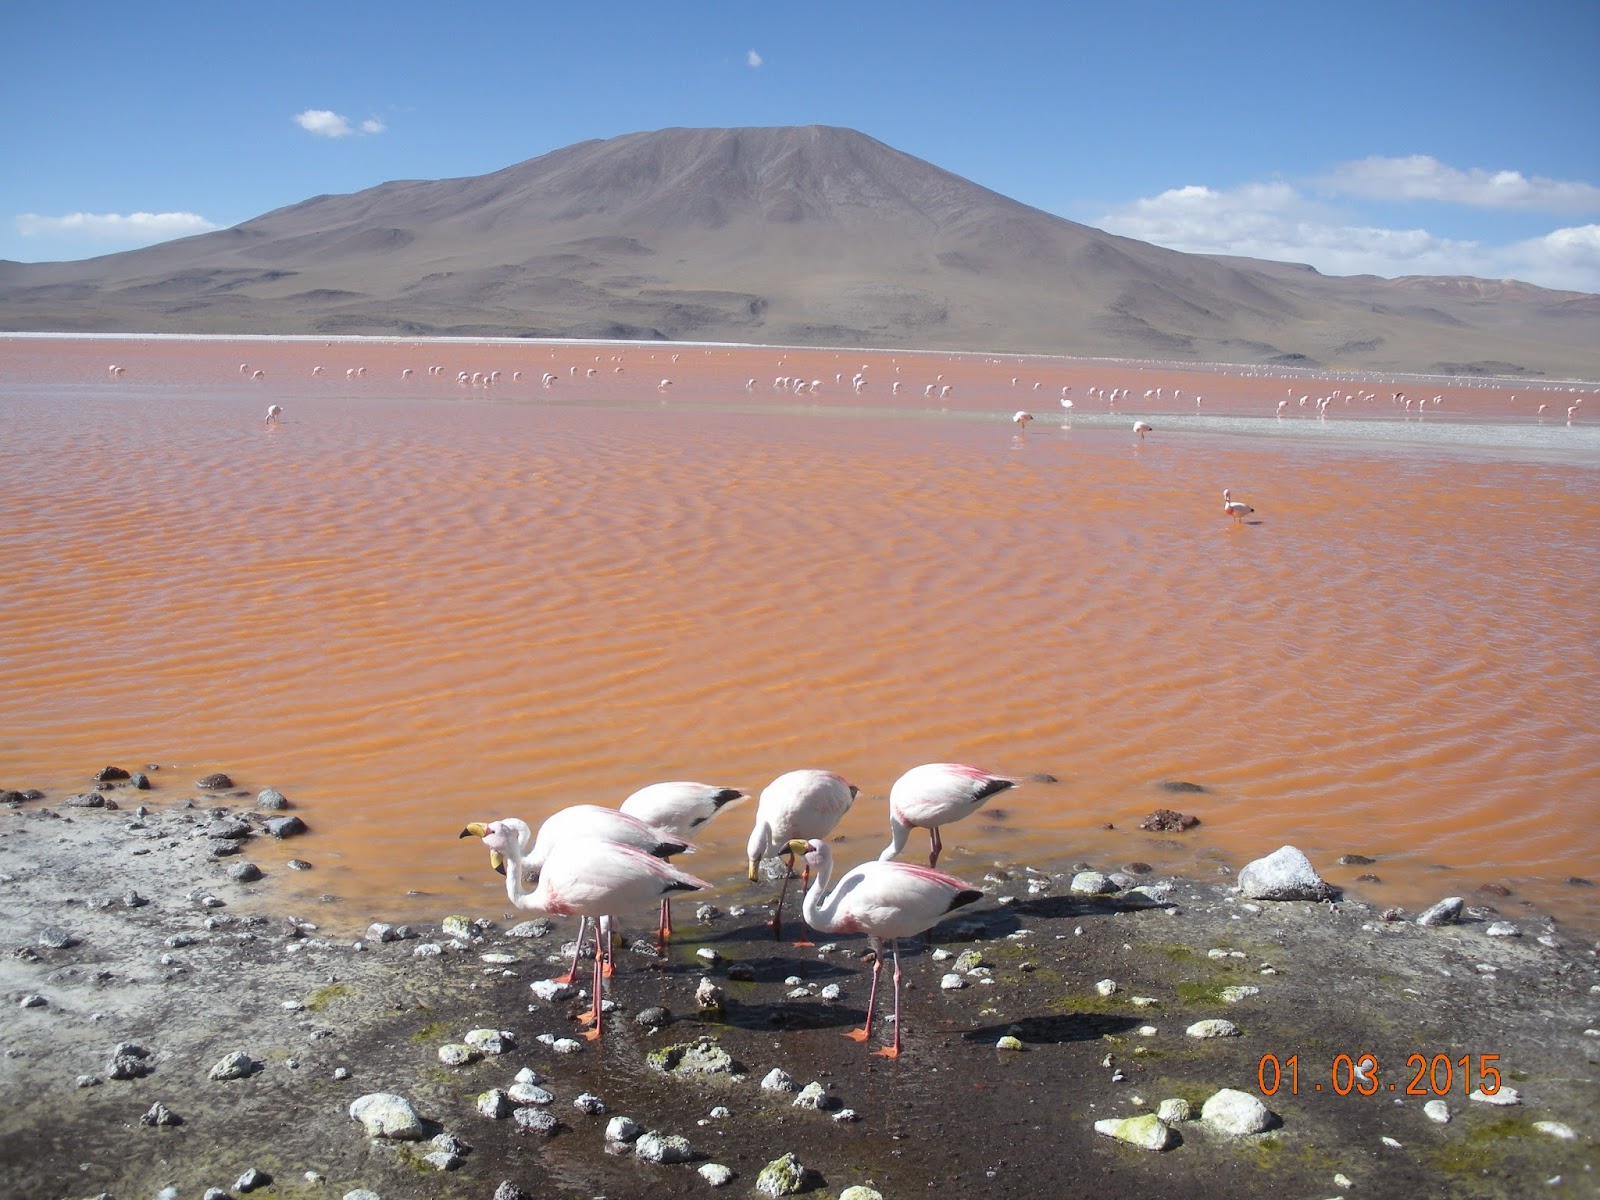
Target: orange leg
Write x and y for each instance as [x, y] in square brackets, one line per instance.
[571, 976]
[934, 846]
[593, 1034]
[894, 1050]
[777, 913]
[861, 1035]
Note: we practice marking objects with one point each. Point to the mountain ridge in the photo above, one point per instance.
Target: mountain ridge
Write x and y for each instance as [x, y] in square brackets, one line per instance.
[809, 235]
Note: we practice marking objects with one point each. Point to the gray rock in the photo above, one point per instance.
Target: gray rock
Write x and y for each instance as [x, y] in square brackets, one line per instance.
[860, 1191]
[536, 1120]
[216, 780]
[454, 1054]
[814, 1096]
[1174, 1111]
[778, 1080]
[237, 1065]
[968, 960]
[86, 800]
[1503, 929]
[385, 1115]
[494, 1103]
[140, 781]
[283, 827]
[785, 1176]
[536, 928]
[1446, 912]
[716, 1174]
[703, 1056]
[1092, 883]
[1212, 1028]
[654, 1017]
[588, 1102]
[1285, 874]
[129, 1061]
[1437, 1111]
[663, 1148]
[160, 1114]
[132, 899]
[491, 1041]
[362, 1194]
[552, 991]
[380, 931]
[1556, 1129]
[622, 1129]
[1147, 1132]
[271, 798]
[33, 1000]
[506, 1191]
[245, 872]
[1503, 1097]
[54, 937]
[251, 1180]
[442, 1160]
[529, 1093]
[1236, 1114]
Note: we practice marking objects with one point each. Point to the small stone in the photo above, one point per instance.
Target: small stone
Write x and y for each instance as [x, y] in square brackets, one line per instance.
[1174, 1110]
[245, 872]
[815, 1097]
[141, 781]
[454, 1054]
[1437, 1111]
[386, 1115]
[1556, 1129]
[54, 937]
[708, 997]
[1504, 1097]
[1092, 883]
[1503, 929]
[494, 1103]
[109, 774]
[284, 827]
[1106, 987]
[271, 798]
[784, 1177]
[663, 1148]
[86, 800]
[968, 960]
[214, 781]
[1446, 912]
[1235, 994]
[622, 1129]
[1166, 820]
[1355, 860]
[456, 926]
[442, 1160]
[1212, 1028]
[552, 991]
[1147, 1132]
[1236, 1114]
[845, 1115]
[588, 1102]
[529, 1093]
[654, 1017]
[251, 1180]
[536, 1120]
[160, 1114]
[506, 1191]
[1285, 874]
[33, 1000]
[952, 983]
[298, 864]
[778, 1080]
[490, 1041]
[536, 928]
[1008, 1042]
[237, 1065]
[716, 1174]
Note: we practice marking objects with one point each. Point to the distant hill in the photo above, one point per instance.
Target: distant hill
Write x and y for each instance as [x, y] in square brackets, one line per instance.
[804, 236]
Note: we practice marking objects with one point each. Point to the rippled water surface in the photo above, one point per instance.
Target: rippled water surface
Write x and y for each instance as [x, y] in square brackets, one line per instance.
[417, 603]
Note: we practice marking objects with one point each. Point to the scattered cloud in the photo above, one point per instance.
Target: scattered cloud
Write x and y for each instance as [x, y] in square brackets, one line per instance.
[1279, 221]
[1422, 177]
[139, 228]
[753, 59]
[326, 123]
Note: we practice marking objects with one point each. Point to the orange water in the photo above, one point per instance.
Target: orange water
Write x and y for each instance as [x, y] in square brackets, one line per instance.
[418, 603]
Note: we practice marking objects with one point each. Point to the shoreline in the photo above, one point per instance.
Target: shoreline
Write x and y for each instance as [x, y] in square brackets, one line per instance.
[213, 965]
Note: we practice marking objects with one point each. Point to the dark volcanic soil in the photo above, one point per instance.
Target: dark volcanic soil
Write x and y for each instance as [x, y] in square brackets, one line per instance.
[954, 1115]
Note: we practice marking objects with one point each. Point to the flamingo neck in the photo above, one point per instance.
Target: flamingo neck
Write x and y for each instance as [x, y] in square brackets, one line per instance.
[821, 911]
[517, 889]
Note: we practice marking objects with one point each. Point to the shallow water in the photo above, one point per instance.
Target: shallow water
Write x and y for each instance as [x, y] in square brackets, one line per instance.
[418, 603]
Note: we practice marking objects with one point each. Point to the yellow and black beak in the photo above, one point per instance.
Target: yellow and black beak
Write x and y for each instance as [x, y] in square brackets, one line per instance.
[477, 829]
[799, 847]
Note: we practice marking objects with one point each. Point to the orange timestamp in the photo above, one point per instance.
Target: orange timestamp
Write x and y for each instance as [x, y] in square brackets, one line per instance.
[1433, 1075]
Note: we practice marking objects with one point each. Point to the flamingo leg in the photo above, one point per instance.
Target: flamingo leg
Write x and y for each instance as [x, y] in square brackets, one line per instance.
[894, 1050]
[861, 1035]
[593, 1033]
[603, 924]
[777, 913]
[934, 846]
[571, 976]
[805, 886]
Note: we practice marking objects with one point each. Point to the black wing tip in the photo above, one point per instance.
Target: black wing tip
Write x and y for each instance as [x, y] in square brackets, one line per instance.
[668, 849]
[994, 787]
[682, 885]
[727, 796]
[963, 898]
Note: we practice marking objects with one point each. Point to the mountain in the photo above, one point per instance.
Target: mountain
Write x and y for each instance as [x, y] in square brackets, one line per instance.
[804, 236]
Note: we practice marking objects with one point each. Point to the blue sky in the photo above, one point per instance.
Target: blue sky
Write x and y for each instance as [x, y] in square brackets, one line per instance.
[1388, 137]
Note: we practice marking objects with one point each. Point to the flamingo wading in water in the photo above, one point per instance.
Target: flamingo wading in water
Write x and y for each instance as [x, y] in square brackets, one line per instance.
[796, 805]
[675, 809]
[1237, 509]
[885, 901]
[935, 794]
[587, 878]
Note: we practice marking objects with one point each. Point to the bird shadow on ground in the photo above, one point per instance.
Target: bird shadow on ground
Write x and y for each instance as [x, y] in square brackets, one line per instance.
[1056, 1028]
[790, 1015]
[1061, 907]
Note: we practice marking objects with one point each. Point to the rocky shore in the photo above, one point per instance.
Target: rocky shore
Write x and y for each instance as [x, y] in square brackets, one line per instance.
[1079, 1031]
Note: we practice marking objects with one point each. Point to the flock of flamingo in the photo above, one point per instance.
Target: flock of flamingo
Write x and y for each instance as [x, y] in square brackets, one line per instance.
[594, 862]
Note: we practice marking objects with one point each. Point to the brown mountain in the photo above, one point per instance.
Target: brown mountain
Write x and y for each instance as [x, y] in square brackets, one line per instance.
[807, 236]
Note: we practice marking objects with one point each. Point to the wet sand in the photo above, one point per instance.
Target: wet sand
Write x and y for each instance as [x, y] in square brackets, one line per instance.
[418, 603]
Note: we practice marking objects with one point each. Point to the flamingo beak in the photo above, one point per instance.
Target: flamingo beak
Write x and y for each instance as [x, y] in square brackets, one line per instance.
[755, 870]
[799, 847]
[477, 829]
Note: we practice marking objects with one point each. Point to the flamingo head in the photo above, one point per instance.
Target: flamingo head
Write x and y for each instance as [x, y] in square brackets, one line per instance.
[478, 829]
[810, 850]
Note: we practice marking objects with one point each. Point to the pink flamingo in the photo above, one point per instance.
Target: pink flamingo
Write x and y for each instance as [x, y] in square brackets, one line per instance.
[884, 900]
[1142, 428]
[1237, 509]
[797, 804]
[1022, 418]
[591, 879]
[675, 809]
[274, 414]
[935, 794]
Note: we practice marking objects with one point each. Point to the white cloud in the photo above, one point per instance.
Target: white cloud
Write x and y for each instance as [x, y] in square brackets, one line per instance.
[753, 59]
[325, 123]
[1275, 221]
[139, 227]
[1422, 177]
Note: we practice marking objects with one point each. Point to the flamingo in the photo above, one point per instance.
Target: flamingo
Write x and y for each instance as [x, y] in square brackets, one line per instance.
[884, 900]
[580, 821]
[274, 413]
[1142, 428]
[1022, 418]
[797, 804]
[935, 794]
[675, 809]
[589, 878]
[1237, 509]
